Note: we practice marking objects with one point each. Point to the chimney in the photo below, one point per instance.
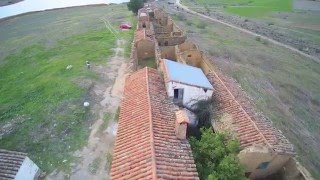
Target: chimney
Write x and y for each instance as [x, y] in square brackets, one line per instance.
[182, 121]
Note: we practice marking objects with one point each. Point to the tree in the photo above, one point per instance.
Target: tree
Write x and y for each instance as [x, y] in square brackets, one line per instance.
[135, 5]
[204, 109]
[215, 155]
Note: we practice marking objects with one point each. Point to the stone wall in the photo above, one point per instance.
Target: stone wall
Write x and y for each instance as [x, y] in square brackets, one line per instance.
[253, 158]
[168, 52]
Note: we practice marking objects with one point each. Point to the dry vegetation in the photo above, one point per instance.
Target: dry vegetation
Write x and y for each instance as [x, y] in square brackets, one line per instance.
[282, 85]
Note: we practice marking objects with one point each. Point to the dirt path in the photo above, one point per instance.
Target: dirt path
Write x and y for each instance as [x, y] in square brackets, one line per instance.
[248, 32]
[93, 159]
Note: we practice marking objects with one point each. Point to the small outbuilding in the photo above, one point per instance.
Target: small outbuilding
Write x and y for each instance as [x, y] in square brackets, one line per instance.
[185, 84]
[16, 165]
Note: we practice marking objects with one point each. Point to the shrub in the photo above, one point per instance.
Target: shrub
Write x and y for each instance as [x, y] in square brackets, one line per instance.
[204, 111]
[270, 23]
[258, 38]
[135, 5]
[215, 155]
[180, 17]
[201, 25]
[189, 23]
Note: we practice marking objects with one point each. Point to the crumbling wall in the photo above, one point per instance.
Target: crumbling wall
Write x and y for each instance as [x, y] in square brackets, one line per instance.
[187, 45]
[196, 58]
[192, 57]
[170, 41]
[133, 63]
[161, 17]
[168, 52]
[166, 31]
[255, 156]
[292, 170]
[157, 50]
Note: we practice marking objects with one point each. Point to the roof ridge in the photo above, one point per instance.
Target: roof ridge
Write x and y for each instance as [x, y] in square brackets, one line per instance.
[245, 112]
[153, 156]
[189, 84]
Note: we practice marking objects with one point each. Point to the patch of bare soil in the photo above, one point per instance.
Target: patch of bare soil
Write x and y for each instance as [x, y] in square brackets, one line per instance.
[94, 158]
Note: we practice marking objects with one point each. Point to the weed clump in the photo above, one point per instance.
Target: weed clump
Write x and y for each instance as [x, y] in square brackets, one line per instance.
[201, 25]
[258, 38]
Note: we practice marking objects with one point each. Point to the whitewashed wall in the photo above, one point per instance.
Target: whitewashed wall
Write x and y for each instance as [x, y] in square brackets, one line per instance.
[190, 92]
[28, 170]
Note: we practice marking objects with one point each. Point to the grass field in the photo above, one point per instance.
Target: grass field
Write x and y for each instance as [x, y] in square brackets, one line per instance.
[283, 86]
[277, 14]
[41, 102]
[248, 8]
[260, 8]
[149, 62]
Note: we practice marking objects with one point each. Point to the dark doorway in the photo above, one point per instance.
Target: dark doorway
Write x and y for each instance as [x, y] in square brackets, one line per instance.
[178, 96]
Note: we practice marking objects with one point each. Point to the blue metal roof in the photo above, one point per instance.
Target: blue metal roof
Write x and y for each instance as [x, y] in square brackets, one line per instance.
[187, 74]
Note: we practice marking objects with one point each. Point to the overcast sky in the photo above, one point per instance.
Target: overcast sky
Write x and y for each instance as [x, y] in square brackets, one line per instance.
[38, 5]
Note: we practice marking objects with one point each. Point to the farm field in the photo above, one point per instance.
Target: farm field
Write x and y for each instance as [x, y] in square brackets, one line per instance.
[282, 85]
[248, 8]
[41, 101]
[294, 25]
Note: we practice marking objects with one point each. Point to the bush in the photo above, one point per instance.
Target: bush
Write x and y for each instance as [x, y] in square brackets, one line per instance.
[180, 17]
[215, 155]
[204, 111]
[135, 5]
[258, 38]
[189, 23]
[201, 25]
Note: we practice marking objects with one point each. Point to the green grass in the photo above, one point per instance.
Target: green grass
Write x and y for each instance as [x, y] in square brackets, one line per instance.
[149, 62]
[106, 119]
[37, 86]
[41, 102]
[116, 116]
[249, 8]
[95, 165]
[109, 161]
[283, 85]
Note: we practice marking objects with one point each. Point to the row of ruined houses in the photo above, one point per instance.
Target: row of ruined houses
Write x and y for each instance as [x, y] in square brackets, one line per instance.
[151, 139]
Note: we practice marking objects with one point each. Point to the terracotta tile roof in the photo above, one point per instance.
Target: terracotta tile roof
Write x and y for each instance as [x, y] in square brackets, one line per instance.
[249, 129]
[10, 162]
[146, 145]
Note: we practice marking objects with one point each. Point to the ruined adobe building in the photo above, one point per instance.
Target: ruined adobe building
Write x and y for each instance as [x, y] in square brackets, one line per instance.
[185, 84]
[151, 138]
[265, 150]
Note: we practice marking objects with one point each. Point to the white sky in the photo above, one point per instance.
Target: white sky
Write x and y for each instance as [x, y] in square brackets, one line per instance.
[38, 5]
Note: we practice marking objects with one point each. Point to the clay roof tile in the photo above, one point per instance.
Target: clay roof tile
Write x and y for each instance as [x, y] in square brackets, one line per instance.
[146, 145]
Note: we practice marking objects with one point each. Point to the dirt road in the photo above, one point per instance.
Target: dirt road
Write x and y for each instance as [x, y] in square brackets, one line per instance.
[93, 159]
[249, 32]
